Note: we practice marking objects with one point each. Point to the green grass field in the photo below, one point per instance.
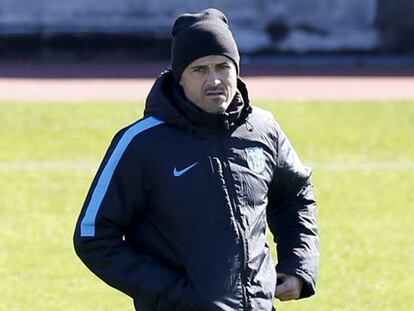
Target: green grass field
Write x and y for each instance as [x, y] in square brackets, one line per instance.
[363, 158]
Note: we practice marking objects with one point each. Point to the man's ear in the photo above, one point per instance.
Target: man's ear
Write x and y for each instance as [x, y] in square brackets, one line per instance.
[180, 82]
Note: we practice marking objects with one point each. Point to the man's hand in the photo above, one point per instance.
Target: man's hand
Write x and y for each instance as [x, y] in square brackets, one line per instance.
[288, 287]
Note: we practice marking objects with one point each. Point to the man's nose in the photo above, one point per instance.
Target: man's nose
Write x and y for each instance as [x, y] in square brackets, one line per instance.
[213, 78]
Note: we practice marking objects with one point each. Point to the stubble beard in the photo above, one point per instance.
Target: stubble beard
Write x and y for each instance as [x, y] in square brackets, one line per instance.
[216, 105]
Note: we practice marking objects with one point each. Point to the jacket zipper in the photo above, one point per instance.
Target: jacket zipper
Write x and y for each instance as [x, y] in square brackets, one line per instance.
[227, 179]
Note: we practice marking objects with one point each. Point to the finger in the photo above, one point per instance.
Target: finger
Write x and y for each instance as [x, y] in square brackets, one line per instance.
[288, 294]
[281, 289]
[287, 297]
[281, 276]
[282, 284]
[287, 290]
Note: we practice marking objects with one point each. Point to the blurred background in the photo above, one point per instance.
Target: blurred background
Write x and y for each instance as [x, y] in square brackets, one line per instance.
[140, 29]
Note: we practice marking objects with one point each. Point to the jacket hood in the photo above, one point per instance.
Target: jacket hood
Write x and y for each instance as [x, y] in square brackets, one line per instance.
[167, 102]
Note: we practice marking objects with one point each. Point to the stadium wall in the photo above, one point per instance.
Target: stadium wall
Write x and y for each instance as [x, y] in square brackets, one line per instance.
[261, 26]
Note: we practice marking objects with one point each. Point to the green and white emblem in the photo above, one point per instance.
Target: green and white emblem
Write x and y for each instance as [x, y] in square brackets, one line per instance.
[255, 159]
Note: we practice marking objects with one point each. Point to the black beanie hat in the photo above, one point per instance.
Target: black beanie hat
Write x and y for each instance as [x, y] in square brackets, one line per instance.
[198, 35]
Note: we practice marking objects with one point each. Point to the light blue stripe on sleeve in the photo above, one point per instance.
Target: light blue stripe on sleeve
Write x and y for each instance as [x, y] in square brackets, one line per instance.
[87, 227]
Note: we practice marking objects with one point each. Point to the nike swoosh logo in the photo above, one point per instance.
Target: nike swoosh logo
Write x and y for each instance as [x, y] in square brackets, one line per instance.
[183, 171]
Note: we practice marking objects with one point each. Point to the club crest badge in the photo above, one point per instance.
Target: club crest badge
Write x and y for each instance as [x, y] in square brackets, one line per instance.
[255, 159]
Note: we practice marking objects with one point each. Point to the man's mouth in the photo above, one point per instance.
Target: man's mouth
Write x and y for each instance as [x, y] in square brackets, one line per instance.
[214, 93]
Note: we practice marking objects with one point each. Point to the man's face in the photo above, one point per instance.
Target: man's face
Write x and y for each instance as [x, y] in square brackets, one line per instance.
[210, 83]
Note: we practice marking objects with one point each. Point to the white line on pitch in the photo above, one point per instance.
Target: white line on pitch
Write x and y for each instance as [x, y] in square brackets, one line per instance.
[47, 166]
[334, 166]
[345, 166]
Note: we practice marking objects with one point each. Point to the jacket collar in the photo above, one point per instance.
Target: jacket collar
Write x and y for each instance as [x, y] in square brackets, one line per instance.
[167, 101]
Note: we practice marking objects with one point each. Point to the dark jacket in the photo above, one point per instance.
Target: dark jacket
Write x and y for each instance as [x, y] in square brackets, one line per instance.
[176, 215]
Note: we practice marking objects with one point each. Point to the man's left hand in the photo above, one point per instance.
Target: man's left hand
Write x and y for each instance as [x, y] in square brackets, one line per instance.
[288, 287]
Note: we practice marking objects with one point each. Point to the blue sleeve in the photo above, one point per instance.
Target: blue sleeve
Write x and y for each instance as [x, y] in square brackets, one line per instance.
[117, 197]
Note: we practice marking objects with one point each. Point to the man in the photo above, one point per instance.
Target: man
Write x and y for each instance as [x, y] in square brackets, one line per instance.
[176, 215]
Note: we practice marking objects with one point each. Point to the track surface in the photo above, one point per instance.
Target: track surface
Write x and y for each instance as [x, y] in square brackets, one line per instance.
[131, 82]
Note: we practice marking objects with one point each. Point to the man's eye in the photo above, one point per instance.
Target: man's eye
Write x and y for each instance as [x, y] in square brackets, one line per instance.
[198, 69]
[224, 66]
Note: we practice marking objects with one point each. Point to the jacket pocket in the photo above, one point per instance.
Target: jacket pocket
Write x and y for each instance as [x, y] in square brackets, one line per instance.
[180, 296]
